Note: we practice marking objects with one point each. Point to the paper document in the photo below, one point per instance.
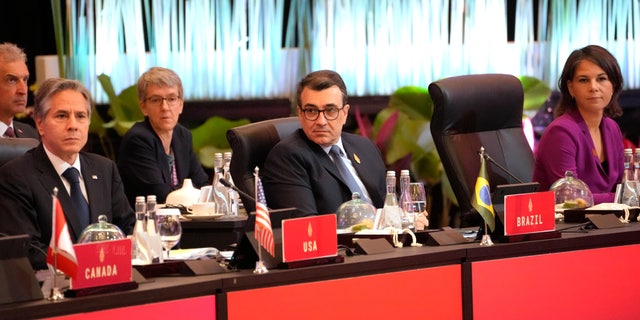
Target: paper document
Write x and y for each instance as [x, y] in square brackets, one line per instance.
[193, 254]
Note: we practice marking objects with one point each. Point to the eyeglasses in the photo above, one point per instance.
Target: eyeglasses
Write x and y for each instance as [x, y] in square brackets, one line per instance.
[312, 114]
[156, 101]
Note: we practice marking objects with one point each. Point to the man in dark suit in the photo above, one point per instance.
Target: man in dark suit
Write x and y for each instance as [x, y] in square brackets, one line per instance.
[156, 154]
[14, 91]
[62, 114]
[301, 171]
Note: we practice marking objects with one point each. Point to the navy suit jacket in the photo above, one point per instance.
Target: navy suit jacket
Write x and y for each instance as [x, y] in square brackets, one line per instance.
[298, 173]
[26, 189]
[24, 130]
[143, 163]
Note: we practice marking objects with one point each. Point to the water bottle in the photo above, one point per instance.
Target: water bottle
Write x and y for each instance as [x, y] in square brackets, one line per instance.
[233, 198]
[141, 250]
[218, 191]
[629, 184]
[628, 165]
[152, 230]
[636, 164]
[391, 211]
[406, 203]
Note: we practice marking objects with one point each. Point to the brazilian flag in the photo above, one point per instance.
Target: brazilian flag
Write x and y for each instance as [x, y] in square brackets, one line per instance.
[482, 197]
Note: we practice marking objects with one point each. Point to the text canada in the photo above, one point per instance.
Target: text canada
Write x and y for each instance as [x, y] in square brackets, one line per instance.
[101, 272]
[530, 220]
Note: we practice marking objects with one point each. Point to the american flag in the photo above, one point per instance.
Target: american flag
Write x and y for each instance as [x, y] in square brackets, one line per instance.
[263, 231]
[60, 253]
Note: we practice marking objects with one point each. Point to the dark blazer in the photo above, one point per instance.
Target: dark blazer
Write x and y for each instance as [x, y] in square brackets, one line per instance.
[143, 163]
[26, 186]
[24, 130]
[298, 173]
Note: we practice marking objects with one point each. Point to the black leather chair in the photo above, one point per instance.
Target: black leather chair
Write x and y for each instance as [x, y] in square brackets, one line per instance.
[250, 145]
[14, 147]
[474, 111]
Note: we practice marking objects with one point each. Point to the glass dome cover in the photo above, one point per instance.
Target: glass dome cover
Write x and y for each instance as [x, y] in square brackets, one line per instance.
[571, 192]
[355, 214]
[101, 231]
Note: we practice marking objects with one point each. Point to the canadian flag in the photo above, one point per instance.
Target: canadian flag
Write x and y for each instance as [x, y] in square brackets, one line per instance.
[61, 254]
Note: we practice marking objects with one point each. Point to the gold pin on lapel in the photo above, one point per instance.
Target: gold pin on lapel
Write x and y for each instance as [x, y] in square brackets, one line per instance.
[94, 177]
[355, 157]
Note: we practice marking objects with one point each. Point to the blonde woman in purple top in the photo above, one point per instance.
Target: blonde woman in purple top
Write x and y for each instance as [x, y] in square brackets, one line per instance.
[583, 137]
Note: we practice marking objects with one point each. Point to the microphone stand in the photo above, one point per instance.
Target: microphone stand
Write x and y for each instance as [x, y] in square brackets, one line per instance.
[229, 185]
[485, 155]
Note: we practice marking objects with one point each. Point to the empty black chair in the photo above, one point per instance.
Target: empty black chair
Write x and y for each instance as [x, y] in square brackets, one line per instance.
[250, 145]
[14, 147]
[474, 111]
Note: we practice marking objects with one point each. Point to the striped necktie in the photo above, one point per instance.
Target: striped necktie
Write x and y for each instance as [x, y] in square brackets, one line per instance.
[81, 208]
[9, 133]
[336, 154]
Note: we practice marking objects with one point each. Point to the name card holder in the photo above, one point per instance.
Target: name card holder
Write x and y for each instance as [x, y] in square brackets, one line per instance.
[606, 221]
[309, 241]
[181, 267]
[525, 217]
[372, 246]
[447, 236]
[19, 283]
[103, 266]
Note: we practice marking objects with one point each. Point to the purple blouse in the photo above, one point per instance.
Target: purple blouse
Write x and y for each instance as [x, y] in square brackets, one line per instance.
[567, 145]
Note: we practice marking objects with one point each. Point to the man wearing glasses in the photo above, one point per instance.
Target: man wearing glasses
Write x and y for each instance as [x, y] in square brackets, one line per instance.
[317, 168]
[156, 154]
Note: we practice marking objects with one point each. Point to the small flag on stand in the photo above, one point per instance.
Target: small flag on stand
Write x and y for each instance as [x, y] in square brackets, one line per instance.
[482, 196]
[263, 231]
[61, 255]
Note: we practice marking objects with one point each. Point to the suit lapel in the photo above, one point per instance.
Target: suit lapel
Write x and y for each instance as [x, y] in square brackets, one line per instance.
[50, 179]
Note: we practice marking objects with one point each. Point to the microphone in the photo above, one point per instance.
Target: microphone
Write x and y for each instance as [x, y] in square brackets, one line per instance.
[483, 154]
[229, 185]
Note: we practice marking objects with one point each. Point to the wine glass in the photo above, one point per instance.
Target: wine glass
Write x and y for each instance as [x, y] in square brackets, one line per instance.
[169, 227]
[419, 200]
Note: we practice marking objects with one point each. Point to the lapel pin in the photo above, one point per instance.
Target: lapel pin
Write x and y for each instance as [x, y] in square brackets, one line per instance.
[355, 156]
[94, 177]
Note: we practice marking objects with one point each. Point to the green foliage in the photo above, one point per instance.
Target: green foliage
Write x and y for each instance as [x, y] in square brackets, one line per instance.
[412, 138]
[536, 93]
[211, 137]
[124, 109]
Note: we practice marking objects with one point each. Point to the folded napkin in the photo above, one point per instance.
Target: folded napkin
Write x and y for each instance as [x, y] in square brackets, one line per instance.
[193, 254]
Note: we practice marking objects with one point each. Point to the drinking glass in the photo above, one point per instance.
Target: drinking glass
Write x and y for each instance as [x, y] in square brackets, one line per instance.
[419, 200]
[169, 228]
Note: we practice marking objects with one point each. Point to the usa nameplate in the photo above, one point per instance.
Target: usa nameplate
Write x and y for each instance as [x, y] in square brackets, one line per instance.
[309, 238]
[102, 263]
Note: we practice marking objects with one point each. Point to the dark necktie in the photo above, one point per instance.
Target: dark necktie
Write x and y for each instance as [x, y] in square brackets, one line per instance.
[79, 203]
[9, 133]
[348, 178]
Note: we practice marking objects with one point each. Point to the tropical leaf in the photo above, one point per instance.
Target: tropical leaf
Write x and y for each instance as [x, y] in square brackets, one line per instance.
[413, 101]
[536, 92]
[211, 137]
[124, 108]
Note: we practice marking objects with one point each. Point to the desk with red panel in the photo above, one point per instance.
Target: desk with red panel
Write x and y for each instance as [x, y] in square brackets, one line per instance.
[405, 283]
[583, 275]
[590, 275]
